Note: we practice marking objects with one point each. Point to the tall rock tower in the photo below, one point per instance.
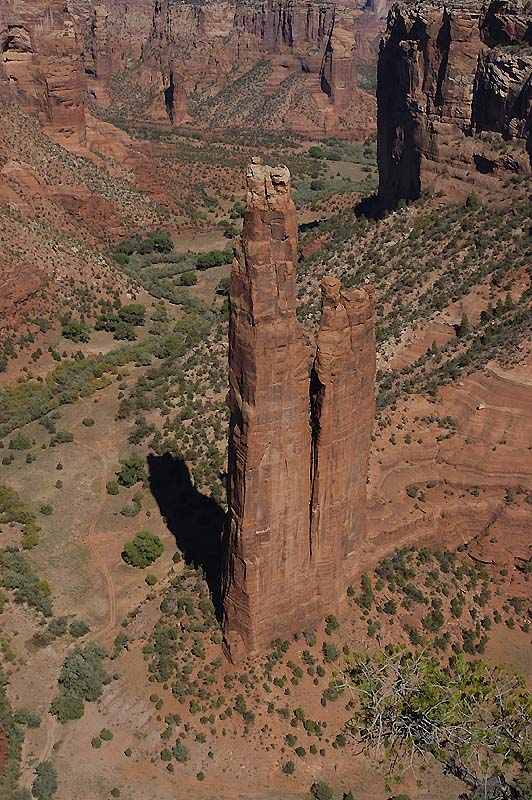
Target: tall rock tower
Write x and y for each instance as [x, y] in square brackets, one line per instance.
[299, 433]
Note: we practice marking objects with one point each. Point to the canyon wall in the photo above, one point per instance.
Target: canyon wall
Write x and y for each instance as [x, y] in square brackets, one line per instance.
[41, 66]
[97, 57]
[274, 63]
[299, 432]
[454, 96]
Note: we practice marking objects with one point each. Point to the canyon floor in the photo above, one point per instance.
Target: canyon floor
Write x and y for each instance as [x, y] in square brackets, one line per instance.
[449, 487]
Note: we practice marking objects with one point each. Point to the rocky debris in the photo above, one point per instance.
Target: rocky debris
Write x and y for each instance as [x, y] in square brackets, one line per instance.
[454, 88]
[41, 66]
[296, 481]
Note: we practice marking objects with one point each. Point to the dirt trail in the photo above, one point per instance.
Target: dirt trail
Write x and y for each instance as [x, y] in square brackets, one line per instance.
[91, 538]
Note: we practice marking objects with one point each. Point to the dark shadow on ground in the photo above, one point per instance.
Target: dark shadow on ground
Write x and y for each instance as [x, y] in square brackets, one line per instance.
[308, 226]
[373, 207]
[195, 520]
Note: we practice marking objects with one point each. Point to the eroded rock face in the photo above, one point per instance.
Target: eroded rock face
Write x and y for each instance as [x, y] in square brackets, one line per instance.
[187, 58]
[41, 66]
[342, 413]
[98, 61]
[298, 445]
[453, 88]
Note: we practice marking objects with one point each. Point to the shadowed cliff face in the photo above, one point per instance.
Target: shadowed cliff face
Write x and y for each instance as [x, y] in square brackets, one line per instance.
[41, 66]
[454, 88]
[298, 445]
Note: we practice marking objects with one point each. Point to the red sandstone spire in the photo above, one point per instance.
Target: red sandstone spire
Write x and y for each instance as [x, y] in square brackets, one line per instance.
[286, 541]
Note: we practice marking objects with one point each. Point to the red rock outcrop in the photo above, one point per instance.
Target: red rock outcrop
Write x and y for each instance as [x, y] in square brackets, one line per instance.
[41, 67]
[454, 90]
[342, 413]
[298, 445]
[97, 59]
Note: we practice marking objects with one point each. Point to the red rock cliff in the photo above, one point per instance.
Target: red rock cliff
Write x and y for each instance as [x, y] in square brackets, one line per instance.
[343, 409]
[41, 66]
[288, 543]
[187, 57]
[454, 90]
[98, 61]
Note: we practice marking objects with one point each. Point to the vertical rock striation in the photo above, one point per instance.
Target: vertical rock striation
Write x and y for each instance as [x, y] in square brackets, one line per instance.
[98, 62]
[453, 90]
[268, 554]
[274, 63]
[289, 543]
[41, 67]
[342, 412]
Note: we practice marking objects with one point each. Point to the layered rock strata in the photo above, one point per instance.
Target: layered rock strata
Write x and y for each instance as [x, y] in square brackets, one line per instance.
[41, 67]
[454, 90]
[299, 433]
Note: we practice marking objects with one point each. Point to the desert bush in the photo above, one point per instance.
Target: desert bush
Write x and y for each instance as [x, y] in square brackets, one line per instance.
[44, 786]
[180, 752]
[82, 679]
[20, 442]
[132, 471]
[214, 258]
[76, 331]
[17, 574]
[28, 717]
[321, 791]
[78, 628]
[143, 550]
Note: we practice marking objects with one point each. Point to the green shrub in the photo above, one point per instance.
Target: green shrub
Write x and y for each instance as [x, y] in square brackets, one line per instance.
[214, 258]
[88, 422]
[62, 437]
[289, 768]
[78, 628]
[332, 624]
[106, 735]
[82, 679]
[66, 707]
[188, 279]
[132, 471]
[28, 717]
[321, 791]
[330, 652]
[133, 314]
[16, 573]
[58, 626]
[20, 442]
[143, 550]
[44, 786]
[76, 331]
[112, 487]
[180, 752]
